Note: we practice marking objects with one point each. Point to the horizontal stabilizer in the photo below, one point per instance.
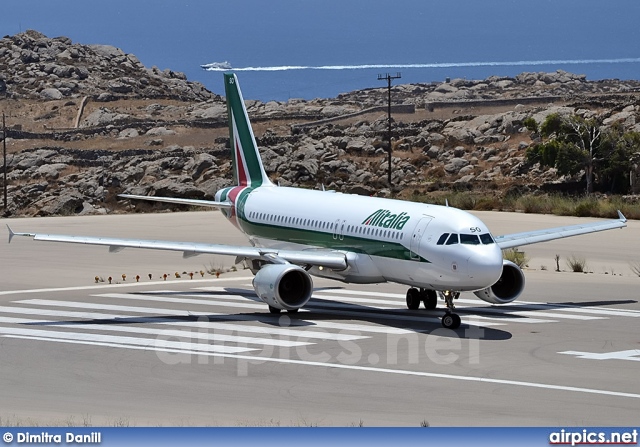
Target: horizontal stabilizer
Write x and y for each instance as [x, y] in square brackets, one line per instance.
[192, 202]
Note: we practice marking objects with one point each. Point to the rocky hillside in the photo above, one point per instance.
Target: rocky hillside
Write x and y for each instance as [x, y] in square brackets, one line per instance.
[36, 67]
[87, 122]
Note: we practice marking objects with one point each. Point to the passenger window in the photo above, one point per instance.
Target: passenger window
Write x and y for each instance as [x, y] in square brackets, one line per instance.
[469, 239]
[453, 239]
[486, 239]
[442, 239]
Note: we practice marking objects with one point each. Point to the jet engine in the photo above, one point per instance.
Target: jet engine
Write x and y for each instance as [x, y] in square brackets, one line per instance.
[283, 286]
[507, 289]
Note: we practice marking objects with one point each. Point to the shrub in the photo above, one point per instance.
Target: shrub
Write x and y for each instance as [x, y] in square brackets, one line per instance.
[533, 204]
[577, 264]
[516, 256]
[587, 208]
[530, 124]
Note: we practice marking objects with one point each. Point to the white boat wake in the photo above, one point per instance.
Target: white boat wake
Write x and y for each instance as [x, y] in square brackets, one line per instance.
[216, 66]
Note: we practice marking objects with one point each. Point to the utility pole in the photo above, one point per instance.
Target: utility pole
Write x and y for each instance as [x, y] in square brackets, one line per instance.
[4, 153]
[389, 78]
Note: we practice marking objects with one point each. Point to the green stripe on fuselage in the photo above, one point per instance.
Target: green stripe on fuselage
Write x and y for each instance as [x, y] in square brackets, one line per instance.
[316, 238]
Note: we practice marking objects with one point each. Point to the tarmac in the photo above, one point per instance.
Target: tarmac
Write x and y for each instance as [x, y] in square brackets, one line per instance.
[205, 351]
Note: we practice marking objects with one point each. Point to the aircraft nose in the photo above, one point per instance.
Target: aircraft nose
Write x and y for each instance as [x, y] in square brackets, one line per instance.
[486, 267]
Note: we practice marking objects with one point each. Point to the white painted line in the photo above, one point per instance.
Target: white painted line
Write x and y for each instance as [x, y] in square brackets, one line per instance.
[577, 308]
[241, 304]
[123, 284]
[536, 313]
[362, 292]
[61, 313]
[155, 342]
[524, 305]
[177, 312]
[302, 333]
[213, 316]
[116, 308]
[486, 321]
[195, 335]
[111, 345]
[630, 354]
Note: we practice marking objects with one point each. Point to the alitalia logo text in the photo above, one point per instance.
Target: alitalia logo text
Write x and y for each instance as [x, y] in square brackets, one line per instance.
[385, 219]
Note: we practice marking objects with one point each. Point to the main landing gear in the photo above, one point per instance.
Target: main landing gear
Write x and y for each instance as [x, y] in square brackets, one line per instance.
[429, 298]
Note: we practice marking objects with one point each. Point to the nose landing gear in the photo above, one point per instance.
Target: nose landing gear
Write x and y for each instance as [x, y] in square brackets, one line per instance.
[450, 320]
[429, 298]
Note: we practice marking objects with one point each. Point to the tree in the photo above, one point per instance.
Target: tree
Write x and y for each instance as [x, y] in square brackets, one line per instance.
[574, 144]
[585, 136]
[621, 146]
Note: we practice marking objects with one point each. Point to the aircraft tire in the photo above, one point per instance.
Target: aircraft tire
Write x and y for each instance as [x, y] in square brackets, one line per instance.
[451, 321]
[413, 298]
[430, 299]
[274, 310]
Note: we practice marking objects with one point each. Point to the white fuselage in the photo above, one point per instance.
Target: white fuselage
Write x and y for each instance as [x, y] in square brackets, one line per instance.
[385, 239]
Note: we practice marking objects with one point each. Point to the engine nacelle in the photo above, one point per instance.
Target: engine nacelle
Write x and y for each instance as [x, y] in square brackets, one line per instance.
[507, 289]
[283, 286]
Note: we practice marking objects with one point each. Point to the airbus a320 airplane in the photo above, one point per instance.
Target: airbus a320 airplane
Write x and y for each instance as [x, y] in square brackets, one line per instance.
[295, 233]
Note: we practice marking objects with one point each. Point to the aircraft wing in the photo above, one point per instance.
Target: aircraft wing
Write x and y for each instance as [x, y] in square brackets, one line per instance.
[194, 202]
[326, 258]
[549, 234]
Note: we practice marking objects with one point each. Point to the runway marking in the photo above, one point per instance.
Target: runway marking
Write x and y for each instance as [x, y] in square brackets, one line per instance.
[163, 311]
[195, 336]
[123, 284]
[211, 317]
[255, 359]
[524, 308]
[155, 342]
[147, 344]
[630, 354]
[301, 333]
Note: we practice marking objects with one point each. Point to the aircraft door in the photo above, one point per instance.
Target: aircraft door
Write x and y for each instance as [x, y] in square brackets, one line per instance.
[419, 231]
[337, 231]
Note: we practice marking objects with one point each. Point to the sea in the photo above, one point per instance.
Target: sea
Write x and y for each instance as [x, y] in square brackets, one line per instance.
[286, 49]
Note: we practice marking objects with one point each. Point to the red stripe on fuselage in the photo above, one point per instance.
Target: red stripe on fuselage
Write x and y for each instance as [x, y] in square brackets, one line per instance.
[232, 196]
[240, 166]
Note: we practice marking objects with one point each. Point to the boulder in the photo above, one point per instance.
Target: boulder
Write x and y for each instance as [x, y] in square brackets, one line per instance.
[455, 165]
[67, 203]
[160, 131]
[128, 133]
[51, 93]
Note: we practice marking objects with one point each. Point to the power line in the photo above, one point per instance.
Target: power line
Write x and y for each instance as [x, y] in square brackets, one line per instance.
[4, 152]
[389, 78]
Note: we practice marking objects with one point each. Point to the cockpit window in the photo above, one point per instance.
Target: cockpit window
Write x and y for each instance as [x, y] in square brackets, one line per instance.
[469, 239]
[486, 239]
[443, 238]
[453, 239]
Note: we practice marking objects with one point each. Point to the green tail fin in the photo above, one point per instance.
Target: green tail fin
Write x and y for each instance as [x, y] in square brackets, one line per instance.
[247, 164]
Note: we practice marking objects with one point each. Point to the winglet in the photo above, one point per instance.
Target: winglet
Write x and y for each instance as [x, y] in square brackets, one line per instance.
[621, 216]
[13, 233]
